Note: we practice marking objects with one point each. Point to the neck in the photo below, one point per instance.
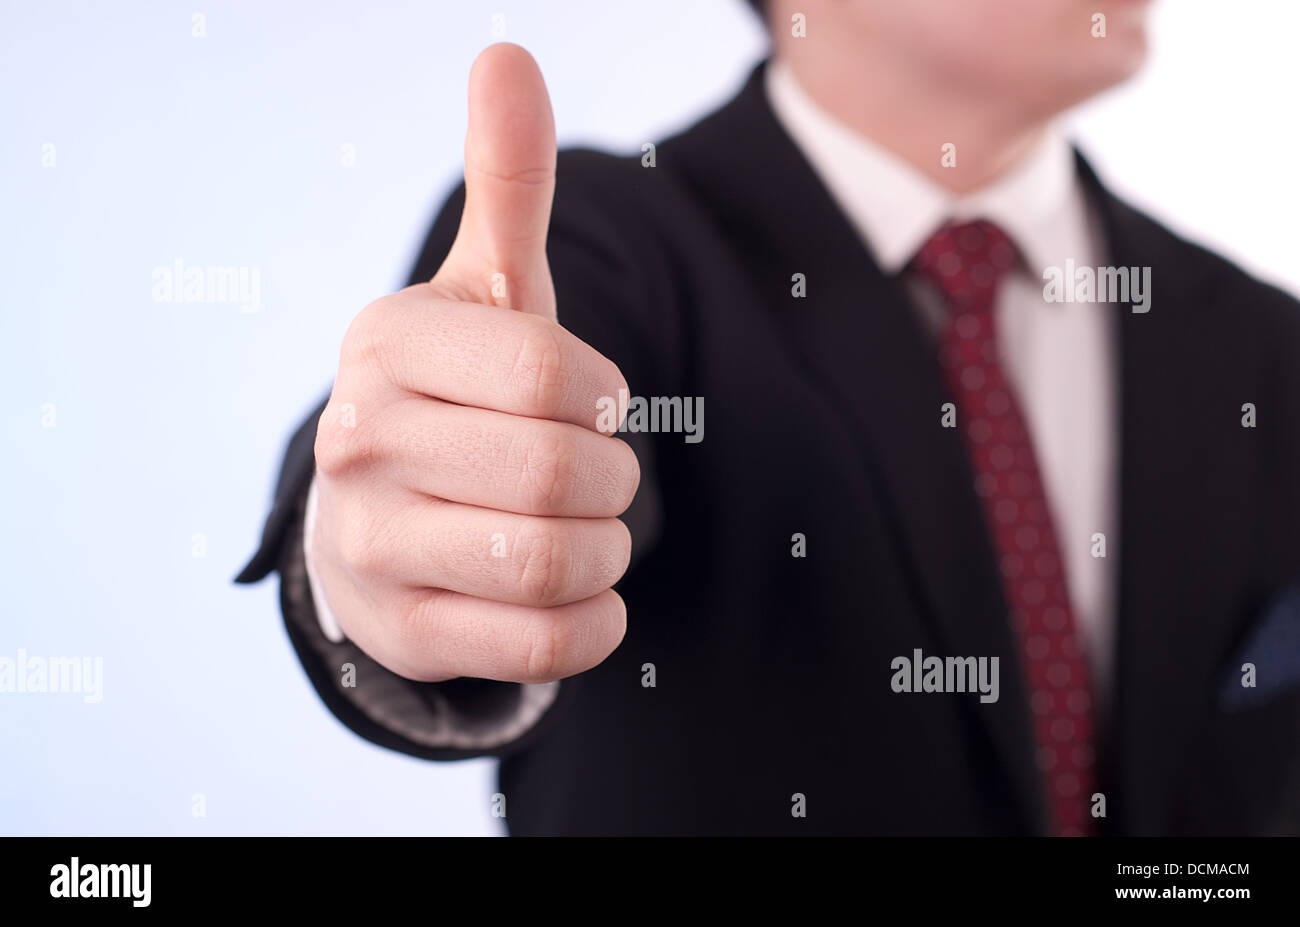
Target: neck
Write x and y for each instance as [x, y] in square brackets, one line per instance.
[906, 114]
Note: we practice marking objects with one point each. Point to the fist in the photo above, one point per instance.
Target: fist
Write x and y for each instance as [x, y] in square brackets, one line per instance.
[466, 502]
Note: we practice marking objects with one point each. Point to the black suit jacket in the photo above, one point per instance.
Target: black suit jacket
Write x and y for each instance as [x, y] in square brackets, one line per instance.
[823, 418]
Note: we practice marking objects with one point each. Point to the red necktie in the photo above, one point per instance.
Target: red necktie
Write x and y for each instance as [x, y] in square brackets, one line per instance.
[966, 262]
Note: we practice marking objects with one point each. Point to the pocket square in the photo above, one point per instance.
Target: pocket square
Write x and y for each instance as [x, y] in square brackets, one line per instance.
[1273, 648]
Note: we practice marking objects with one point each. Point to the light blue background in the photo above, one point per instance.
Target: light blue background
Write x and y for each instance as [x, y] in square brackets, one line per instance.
[171, 419]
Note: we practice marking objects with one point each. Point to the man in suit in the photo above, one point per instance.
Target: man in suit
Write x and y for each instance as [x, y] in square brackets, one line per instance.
[992, 526]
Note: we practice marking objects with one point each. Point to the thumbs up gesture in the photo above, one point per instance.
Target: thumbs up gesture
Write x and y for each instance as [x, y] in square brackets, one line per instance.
[466, 503]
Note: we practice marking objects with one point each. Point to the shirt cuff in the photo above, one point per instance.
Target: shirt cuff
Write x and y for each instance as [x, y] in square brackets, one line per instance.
[329, 625]
[428, 714]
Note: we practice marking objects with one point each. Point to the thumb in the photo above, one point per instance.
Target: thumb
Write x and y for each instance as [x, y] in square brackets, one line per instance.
[499, 256]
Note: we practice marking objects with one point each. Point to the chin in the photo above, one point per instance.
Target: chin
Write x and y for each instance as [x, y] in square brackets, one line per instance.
[1120, 65]
[1085, 76]
[1120, 54]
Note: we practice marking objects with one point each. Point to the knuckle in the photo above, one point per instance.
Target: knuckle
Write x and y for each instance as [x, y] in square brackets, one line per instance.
[369, 342]
[362, 549]
[620, 478]
[413, 628]
[545, 564]
[410, 625]
[359, 339]
[329, 450]
[548, 646]
[540, 371]
[347, 439]
[561, 642]
[397, 629]
[548, 471]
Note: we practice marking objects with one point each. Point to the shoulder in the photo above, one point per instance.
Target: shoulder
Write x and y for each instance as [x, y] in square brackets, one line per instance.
[630, 194]
[1225, 292]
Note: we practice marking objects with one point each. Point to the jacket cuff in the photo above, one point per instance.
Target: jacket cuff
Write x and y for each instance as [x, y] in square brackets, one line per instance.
[461, 714]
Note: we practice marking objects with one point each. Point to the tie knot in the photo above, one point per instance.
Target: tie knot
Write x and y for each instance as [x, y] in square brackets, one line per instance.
[966, 261]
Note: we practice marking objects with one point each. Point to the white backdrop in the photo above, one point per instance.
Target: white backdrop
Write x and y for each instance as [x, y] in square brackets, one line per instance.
[312, 142]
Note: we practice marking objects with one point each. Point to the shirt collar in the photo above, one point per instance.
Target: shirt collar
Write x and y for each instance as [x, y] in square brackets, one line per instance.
[895, 208]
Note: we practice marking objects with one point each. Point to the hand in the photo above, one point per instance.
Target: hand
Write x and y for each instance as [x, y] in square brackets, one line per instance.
[467, 503]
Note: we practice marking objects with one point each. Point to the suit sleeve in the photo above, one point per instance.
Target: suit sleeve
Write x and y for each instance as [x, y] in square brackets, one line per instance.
[601, 294]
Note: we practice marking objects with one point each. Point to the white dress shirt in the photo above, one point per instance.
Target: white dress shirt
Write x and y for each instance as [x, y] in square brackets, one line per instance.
[1057, 355]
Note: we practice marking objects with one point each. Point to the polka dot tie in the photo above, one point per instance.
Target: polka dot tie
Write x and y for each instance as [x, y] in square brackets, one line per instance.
[965, 262]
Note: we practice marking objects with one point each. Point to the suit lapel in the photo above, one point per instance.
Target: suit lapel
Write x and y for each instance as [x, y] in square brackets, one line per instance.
[861, 341]
[1185, 477]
